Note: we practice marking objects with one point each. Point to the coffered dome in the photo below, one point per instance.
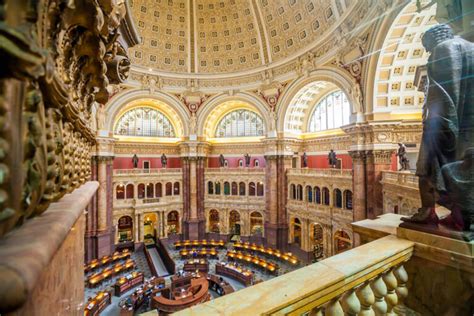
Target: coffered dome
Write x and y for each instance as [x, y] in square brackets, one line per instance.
[229, 36]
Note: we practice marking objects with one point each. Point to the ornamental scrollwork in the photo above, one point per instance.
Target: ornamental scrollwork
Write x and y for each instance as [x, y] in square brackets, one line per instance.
[59, 59]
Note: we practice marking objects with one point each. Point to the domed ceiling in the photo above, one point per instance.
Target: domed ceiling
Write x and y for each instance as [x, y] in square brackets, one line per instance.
[228, 36]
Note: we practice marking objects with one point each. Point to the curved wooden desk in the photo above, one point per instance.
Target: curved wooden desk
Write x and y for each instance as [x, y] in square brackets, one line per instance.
[219, 286]
[275, 253]
[199, 243]
[195, 294]
[230, 270]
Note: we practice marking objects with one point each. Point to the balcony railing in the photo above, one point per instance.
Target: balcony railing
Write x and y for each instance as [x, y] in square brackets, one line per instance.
[400, 178]
[142, 171]
[242, 170]
[321, 172]
[366, 280]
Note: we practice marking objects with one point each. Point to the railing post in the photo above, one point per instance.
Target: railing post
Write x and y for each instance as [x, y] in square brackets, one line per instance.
[391, 298]
[367, 299]
[380, 291]
[402, 291]
[334, 308]
[351, 303]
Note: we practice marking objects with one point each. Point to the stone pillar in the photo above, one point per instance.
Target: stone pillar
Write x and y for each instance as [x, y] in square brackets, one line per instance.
[136, 232]
[276, 225]
[376, 162]
[140, 224]
[359, 206]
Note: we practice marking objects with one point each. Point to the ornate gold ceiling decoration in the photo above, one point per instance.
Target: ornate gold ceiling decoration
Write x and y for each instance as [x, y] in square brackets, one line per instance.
[230, 36]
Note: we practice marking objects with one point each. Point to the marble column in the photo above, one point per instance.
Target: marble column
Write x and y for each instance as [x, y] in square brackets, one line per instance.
[359, 207]
[376, 162]
[276, 226]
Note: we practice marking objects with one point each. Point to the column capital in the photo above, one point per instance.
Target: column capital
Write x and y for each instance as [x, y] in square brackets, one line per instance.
[194, 149]
[104, 147]
[380, 156]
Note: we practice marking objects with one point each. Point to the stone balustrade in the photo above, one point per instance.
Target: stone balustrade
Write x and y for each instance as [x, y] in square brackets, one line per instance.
[154, 171]
[400, 178]
[346, 173]
[367, 280]
[235, 171]
[400, 192]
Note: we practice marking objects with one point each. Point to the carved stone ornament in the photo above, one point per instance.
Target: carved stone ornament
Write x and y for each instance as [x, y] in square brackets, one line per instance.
[55, 65]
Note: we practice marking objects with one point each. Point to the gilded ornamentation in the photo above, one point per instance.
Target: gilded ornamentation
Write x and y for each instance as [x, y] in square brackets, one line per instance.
[62, 55]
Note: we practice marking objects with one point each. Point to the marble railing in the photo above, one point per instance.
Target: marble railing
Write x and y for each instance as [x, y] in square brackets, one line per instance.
[234, 171]
[367, 280]
[148, 201]
[400, 178]
[321, 172]
[138, 171]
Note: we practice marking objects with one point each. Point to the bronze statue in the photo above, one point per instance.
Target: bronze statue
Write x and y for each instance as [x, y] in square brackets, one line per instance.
[164, 161]
[332, 159]
[305, 160]
[402, 156]
[135, 161]
[221, 161]
[247, 160]
[448, 118]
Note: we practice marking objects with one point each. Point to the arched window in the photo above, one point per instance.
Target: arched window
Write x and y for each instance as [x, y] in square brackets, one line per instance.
[293, 191]
[241, 188]
[241, 163]
[317, 195]
[129, 191]
[252, 190]
[240, 123]
[214, 221]
[226, 188]
[348, 199]
[210, 187]
[234, 188]
[256, 163]
[141, 191]
[158, 190]
[176, 188]
[332, 111]
[169, 189]
[300, 192]
[326, 200]
[172, 222]
[260, 189]
[342, 241]
[256, 224]
[309, 194]
[218, 188]
[149, 190]
[337, 198]
[297, 231]
[317, 240]
[234, 222]
[125, 229]
[120, 192]
[144, 121]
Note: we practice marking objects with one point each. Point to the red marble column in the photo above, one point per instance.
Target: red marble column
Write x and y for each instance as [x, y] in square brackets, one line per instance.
[276, 226]
[377, 161]
[359, 181]
[99, 227]
[193, 204]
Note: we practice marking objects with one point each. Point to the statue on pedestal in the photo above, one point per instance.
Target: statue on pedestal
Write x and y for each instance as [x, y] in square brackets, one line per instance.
[305, 160]
[448, 134]
[332, 158]
[247, 160]
[135, 161]
[221, 161]
[164, 161]
[402, 157]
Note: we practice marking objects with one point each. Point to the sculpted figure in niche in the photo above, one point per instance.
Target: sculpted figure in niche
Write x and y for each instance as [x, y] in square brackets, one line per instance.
[221, 161]
[247, 160]
[100, 116]
[305, 160]
[164, 161]
[402, 157]
[135, 161]
[448, 134]
[332, 158]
